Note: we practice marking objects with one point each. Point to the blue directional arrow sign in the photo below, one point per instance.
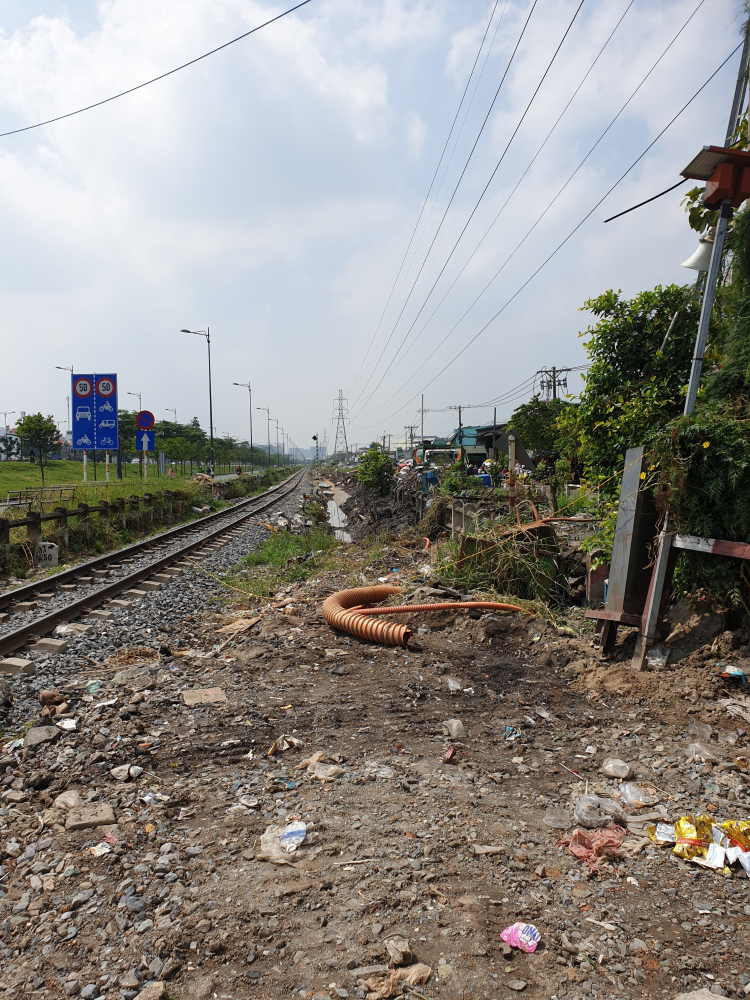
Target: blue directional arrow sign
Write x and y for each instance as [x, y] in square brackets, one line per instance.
[144, 440]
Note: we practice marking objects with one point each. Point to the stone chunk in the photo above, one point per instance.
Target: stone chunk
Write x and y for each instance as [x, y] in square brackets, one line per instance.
[203, 696]
[38, 735]
[15, 665]
[153, 991]
[121, 772]
[96, 814]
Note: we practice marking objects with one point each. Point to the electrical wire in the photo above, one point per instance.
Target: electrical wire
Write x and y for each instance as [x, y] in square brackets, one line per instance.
[647, 201]
[528, 233]
[520, 244]
[476, 205]
[429, 190]
[70, 114]
[447, 165]
[453, 195]
[571, 233]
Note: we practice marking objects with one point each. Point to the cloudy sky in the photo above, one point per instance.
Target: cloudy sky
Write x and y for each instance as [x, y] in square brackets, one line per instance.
[271, 191]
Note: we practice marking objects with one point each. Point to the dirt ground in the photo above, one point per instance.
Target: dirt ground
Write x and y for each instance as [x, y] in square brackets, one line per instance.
[399, 844]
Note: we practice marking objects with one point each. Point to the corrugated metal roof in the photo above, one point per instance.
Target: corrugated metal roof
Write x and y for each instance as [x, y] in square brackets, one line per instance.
[703, 165]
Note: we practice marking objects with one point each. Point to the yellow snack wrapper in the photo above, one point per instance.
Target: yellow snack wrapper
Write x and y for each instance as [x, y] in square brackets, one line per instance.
[661, 833]
[738, 832]
[693, 837]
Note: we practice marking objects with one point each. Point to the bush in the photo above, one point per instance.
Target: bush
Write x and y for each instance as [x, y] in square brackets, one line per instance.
[376, 470]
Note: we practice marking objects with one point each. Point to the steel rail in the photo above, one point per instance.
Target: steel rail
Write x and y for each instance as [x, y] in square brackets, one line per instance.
[30, 590]
[41, 626]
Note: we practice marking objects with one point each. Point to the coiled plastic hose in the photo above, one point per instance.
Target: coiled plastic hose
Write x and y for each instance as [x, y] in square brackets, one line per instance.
[346, 611]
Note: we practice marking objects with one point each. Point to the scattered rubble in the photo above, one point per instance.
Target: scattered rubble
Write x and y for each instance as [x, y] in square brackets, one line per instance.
[143, 854]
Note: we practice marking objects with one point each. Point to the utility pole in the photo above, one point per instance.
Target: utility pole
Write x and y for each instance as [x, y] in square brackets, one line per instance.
[725, 214]
[552, 379]
[421, 431]
[268, 417]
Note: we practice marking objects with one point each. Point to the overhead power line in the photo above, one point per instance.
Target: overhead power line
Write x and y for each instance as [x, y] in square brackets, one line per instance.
[453, 195]
[504, 205]
[140, 86]
[573, 231]
[529, 232]
[510, 256]
[429, 191]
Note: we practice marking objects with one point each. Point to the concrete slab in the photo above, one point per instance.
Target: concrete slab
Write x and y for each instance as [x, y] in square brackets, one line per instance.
[149, 585]
[49, 646]
[24, 606]
[105, 615]
[15, 665]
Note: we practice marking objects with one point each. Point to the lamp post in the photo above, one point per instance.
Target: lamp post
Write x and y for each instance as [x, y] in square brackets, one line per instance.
[246, 385]
[275, 419]
[138, 394]
[171, 409]
[206, 333]
[268, 417]
[64, 368]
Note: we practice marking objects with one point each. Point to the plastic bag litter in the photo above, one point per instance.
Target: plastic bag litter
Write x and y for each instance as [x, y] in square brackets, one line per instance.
[272, 848]
[613, 767]
[292, 836]
[454, 686]
[593, 846]
[454, 728]
[592, 811]
[284, 743]
[738, 707]
[373, 769]
[657, 656]
[389, 984]
[523, 936]
[100, 849]
[399, 949]
[325, 772]
[636, 796]
[729, 736]
[701, 730]
[557, 817]
[700, 750]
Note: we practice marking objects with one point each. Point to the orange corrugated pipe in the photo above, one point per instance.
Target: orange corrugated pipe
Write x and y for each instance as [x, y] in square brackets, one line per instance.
[346, 611]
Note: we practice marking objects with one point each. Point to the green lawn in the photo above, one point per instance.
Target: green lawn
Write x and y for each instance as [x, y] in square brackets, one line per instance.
[20, 475]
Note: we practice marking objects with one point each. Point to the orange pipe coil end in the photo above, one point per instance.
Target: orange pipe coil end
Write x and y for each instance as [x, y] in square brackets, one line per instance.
[345, 610]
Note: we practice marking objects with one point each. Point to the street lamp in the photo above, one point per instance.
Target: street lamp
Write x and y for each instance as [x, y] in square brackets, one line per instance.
[205, 333]
[276, 421]
[64, 368]
[268, 417]
[138, 394]
[171, 409]
[246, 385]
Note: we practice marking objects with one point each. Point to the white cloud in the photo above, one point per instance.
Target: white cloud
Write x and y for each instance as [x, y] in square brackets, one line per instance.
[270, 191]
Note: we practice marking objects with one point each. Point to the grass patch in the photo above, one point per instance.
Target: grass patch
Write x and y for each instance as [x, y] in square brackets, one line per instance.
[284, 558]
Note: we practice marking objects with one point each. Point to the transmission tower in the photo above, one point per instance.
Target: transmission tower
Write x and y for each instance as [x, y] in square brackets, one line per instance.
[340, 446]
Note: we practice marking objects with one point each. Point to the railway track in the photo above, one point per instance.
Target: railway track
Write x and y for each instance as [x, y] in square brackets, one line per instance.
[181, 541]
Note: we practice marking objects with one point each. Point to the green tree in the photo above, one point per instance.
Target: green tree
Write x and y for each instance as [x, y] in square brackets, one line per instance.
[640, 351]
[536, 422]
[376, 469]
[41, 434]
